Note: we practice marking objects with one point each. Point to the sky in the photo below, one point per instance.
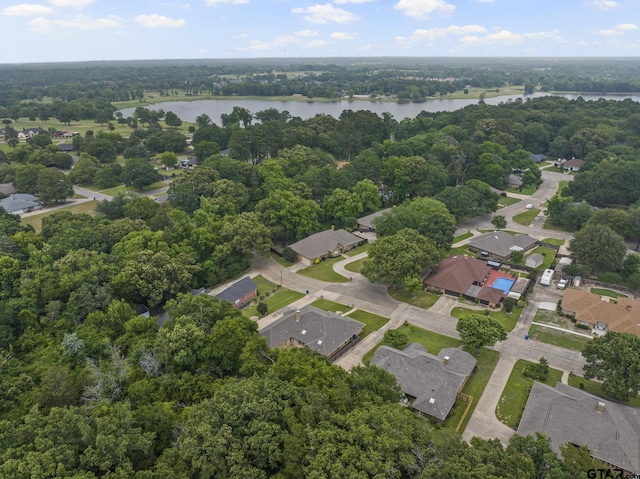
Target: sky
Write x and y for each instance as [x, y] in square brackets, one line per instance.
[81, 30]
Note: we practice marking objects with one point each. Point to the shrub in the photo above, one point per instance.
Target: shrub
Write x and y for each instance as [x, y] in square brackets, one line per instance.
[539, 371]
[582, 326]
[509, 303]
[396, 339]
[262, 308]
[289, 255]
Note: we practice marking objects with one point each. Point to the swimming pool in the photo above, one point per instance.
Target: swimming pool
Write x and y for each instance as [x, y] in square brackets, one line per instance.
[504, 284]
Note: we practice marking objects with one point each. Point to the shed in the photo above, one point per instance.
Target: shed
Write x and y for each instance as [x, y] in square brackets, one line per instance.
[534, 260]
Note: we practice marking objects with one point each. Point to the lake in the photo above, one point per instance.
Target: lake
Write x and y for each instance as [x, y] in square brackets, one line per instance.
[189, 110]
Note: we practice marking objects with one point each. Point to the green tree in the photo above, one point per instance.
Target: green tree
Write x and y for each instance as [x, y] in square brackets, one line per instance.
[85, 170]
[394, 258]
[517, 257]
[342, 204]
[499, 222]
[53, 185]
[172, 120]
[138, 172]
[614, 359]
[369, 195]
[598, 247]
[396, 339]
[478, 330]
[288, 215]
[168, 159]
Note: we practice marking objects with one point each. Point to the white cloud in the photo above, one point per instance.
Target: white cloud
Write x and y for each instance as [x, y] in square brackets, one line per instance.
[159, 21]
[39, 25]
[231, 2]
[343, 36]
[202, 51]
[326, 13]
[300, 38]
[26, 10]
[603, 4]
[342, 2]
[618, 30]
[421, 9]
[433, 33]
[83, 22]
[71, 3]
[484, 1]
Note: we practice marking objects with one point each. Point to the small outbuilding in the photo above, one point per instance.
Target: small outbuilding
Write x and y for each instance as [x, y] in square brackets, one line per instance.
[534, 260]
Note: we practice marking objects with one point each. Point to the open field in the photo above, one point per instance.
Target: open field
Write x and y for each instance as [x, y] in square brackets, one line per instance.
[516, 392]
[87, 207]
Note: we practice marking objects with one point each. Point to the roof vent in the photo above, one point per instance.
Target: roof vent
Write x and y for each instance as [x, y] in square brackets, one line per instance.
[297, 315]
[446, 359]
[304, 331]
[319, 341]
[600, 406]
[432, 400]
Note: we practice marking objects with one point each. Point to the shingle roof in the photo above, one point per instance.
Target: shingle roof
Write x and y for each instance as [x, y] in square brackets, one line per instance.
[367, 221]
[458, 273]
[537, 258]
[567, 414]
[501, 243]
[237, 290]
[573, 163]
[426, 377]
[515, 180]
[325, 242]
[321, 331]
[538, 158]
[589, 307]
[19, 201]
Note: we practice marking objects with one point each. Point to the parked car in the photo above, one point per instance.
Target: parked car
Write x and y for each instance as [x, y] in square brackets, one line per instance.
[562, 283]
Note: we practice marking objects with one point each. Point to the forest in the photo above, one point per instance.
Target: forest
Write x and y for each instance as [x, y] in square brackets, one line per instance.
[89, 388]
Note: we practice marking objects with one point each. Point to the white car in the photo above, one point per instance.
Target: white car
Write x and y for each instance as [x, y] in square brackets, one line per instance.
[562, 283]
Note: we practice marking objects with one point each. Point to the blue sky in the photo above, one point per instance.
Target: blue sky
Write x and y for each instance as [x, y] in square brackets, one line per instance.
[79, 30]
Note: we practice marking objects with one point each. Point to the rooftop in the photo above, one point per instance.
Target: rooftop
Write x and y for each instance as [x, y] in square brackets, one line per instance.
[367, 221]
[237, 290]
[324, 242]
[458, 273]
[501, 243]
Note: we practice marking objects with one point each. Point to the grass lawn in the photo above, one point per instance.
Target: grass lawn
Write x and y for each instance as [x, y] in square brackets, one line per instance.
[263, 284]
[553, 241]
[458, 250]
[332, 306]
[275, 301]
[594, 387]
[508, 321]
[462, 237]
[114, 191]
[323, 271]
[508, 201]
[434, 342]
[356, 266]
[549, 226]
[529, 190]
[487, 360]
[553, 168]
[516, 392]
[608, 292]
[360, 249]
[548, 253]
[422, 299]
[558, 338]
[36, 220]
[526, 217]
[561, 186]
[372, 322]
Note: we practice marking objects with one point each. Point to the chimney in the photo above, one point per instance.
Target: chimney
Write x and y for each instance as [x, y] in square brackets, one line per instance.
[446, 360]
[333, 227]
[297, 315]
[600, 406]
[628, 307]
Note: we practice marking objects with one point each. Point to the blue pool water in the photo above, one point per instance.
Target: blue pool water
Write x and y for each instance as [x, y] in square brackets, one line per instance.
[504, 284]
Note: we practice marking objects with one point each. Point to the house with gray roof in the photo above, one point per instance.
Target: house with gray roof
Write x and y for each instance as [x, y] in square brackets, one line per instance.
[239, 294]
[500, 244]
[324, 332]
[538, 158]
[326, 244]
[20, 203]
[566, 414]
[365, 223]
[434, 381]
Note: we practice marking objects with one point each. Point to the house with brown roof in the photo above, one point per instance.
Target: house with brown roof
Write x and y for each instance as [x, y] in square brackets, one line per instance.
[468, 277]
[600, 314]
[326, 244]
[566, 414]
[433, 381]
